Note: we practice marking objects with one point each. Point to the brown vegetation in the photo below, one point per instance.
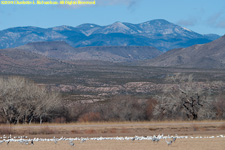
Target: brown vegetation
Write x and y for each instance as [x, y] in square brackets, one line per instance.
[22, 101]
[188, 100]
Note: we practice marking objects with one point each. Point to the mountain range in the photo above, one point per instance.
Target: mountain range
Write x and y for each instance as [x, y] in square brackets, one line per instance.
[60, 49]
[59, 57]
[159, 33]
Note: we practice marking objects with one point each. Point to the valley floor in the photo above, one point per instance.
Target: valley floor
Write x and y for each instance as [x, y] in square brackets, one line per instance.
[113, 129]
[197, 133]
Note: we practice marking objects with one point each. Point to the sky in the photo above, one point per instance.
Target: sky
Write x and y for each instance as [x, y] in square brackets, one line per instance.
[202, 16]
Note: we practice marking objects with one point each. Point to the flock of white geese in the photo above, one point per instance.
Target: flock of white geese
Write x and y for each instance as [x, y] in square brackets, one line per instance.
[168, 139]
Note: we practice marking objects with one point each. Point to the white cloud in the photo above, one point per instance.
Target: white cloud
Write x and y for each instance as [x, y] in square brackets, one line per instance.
[217, 20]
[212, 20]
[188, 22]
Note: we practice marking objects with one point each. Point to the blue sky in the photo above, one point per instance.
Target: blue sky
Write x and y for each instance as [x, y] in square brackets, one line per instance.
[202, 16]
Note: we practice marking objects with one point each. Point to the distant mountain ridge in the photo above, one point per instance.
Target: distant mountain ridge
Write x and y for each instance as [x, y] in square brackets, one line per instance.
[158, 33]
[210, 55]
[57, 57]
[22, 62]
[63, 51]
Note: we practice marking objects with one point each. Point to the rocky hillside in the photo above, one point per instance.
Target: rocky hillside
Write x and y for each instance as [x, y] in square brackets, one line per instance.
[61, 50]
[210, 55]
[14, 61]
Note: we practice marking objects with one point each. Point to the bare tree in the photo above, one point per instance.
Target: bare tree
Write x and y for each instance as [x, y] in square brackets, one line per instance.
[21, 100]
[184, 98]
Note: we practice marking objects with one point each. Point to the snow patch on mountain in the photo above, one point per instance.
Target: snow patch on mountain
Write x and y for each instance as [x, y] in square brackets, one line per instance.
[187, 29]
[168, 31]
[13, 35]
[117, 27]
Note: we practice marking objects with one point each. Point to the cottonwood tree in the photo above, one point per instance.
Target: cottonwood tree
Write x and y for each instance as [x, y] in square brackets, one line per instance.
[219, 107]
[23, 101]
[122, 108]
[184, 98]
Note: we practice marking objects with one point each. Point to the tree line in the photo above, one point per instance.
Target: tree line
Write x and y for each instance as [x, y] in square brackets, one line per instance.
[23, 101]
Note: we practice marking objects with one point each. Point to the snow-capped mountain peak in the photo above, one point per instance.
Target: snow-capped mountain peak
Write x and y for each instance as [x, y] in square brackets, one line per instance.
[159, 33]
[117, 27]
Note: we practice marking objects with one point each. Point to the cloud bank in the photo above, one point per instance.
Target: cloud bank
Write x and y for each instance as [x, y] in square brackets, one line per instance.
[217, 20]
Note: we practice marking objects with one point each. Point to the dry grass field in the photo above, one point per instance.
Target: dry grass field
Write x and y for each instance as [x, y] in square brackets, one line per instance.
[180, 144]
[114, 129]
[89, 129]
